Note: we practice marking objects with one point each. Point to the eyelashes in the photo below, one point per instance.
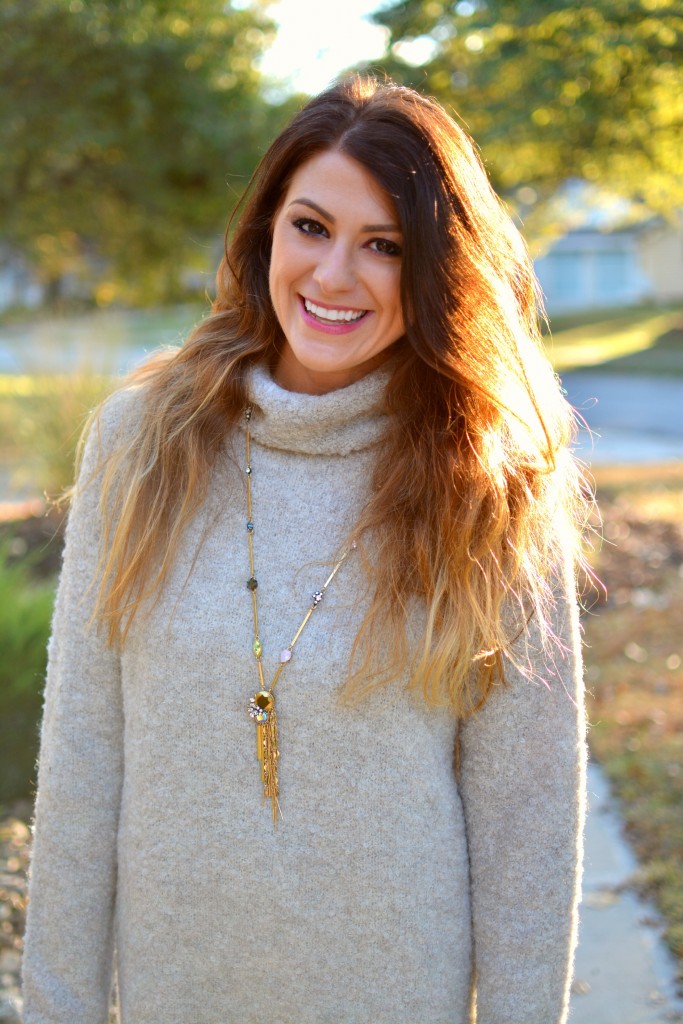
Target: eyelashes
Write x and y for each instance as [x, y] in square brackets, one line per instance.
[308, 226]
[382, 246]
[385, 246]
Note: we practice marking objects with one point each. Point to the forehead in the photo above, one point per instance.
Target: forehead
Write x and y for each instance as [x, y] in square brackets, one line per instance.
[335, 179]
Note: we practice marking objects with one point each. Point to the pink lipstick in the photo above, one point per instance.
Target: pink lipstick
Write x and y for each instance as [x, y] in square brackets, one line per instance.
[338, 327]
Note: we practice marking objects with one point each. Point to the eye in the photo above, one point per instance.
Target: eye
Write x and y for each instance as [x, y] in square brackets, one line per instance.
[307, 226]
[385, 246]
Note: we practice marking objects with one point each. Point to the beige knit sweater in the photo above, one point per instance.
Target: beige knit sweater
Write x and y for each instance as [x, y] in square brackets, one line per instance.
[387, 883]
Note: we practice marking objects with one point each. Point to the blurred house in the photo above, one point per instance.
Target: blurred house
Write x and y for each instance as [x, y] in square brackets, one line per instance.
[602, 265]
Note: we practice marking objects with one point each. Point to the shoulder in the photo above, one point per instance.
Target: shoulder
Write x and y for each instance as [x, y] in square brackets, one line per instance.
[117, 417]
[108, 434]
[110, 428]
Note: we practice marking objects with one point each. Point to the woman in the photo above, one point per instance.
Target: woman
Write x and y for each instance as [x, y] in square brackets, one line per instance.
[366, 417]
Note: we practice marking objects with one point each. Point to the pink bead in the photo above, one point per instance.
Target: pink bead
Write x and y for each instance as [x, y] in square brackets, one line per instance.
[285, 656]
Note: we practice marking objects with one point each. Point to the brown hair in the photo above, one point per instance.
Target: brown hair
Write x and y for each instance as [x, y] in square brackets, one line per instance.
[479, 491]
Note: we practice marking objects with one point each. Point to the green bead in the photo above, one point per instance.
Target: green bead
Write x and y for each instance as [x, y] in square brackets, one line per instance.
[252, 583]
[257, 648]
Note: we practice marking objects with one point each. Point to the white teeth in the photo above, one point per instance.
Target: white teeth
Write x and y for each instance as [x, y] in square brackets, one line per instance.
[347, 315]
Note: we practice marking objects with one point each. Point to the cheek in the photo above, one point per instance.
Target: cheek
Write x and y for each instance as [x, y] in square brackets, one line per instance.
[285, 265]
[392, 294]
[277, 289]
[275, 263]
[278, 254]
[272, 282]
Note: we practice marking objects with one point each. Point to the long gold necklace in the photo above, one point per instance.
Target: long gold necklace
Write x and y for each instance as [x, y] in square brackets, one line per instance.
[262, 704]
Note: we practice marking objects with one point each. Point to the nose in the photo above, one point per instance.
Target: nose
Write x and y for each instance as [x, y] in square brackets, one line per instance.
[335, 271]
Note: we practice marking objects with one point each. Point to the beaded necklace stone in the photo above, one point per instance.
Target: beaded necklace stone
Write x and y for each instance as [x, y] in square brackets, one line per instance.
[262, 704]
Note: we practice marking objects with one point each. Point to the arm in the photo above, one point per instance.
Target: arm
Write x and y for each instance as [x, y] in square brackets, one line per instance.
[522, 778]
[69, 938]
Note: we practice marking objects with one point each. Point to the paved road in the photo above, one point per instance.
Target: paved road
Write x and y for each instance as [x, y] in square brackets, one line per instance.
[634, 419]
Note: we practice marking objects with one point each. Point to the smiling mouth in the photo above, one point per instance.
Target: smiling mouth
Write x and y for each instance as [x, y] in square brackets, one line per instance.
[333, 316]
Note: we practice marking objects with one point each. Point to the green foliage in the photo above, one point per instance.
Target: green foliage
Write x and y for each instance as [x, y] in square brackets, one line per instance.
[552, 90]
[127, 129]
[25, 613]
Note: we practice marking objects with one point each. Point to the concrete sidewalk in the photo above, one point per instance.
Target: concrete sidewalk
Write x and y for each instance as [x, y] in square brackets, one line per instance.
[624, 972]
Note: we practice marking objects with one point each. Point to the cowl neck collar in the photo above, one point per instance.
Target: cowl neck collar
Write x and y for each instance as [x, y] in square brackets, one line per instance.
[337, 423]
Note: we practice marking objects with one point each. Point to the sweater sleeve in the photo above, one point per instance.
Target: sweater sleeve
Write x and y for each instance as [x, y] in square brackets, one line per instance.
[67, 964]
[522, 779]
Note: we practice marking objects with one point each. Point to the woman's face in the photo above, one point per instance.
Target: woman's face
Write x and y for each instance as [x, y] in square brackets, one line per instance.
[335, 275]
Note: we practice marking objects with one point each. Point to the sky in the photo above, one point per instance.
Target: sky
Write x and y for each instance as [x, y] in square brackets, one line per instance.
[319, 38]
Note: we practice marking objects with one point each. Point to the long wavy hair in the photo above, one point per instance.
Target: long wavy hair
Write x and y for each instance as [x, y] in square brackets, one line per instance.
[478, 490]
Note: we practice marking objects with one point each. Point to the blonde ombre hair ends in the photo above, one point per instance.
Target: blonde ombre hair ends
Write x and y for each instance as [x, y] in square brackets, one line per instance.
[476, 491]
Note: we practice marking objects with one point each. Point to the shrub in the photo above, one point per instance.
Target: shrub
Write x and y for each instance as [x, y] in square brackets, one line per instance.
[25, 614]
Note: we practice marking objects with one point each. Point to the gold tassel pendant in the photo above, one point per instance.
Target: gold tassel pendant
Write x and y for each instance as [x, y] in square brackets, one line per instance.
[262, 710]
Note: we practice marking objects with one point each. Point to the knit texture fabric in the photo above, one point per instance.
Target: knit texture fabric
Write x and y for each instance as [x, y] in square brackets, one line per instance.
[387, 883]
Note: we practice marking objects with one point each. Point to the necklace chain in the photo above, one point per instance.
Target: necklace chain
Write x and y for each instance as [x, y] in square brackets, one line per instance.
[262, 704]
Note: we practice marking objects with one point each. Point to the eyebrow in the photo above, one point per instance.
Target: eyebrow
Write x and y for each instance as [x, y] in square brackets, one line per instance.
[333, 220]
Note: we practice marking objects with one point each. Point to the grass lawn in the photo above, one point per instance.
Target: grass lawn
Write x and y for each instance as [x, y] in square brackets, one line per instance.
[645, 340]
[40, 422]
[53, 371]
[634, 672]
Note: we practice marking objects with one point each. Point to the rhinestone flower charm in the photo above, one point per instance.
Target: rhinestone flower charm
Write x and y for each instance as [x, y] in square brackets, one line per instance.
[317, 597]
[259, 714]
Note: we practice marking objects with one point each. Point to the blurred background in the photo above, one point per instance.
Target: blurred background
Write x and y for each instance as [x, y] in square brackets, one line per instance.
[128, 131]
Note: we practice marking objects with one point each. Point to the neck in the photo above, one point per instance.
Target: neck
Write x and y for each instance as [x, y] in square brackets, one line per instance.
[331, 423]
[292, 375]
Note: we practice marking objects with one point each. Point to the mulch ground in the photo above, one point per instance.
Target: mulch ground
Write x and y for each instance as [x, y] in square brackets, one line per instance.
[14, 839]
[37, 535]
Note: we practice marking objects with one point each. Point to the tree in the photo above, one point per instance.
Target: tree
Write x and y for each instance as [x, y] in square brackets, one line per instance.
[127, 128]
[553, 90]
